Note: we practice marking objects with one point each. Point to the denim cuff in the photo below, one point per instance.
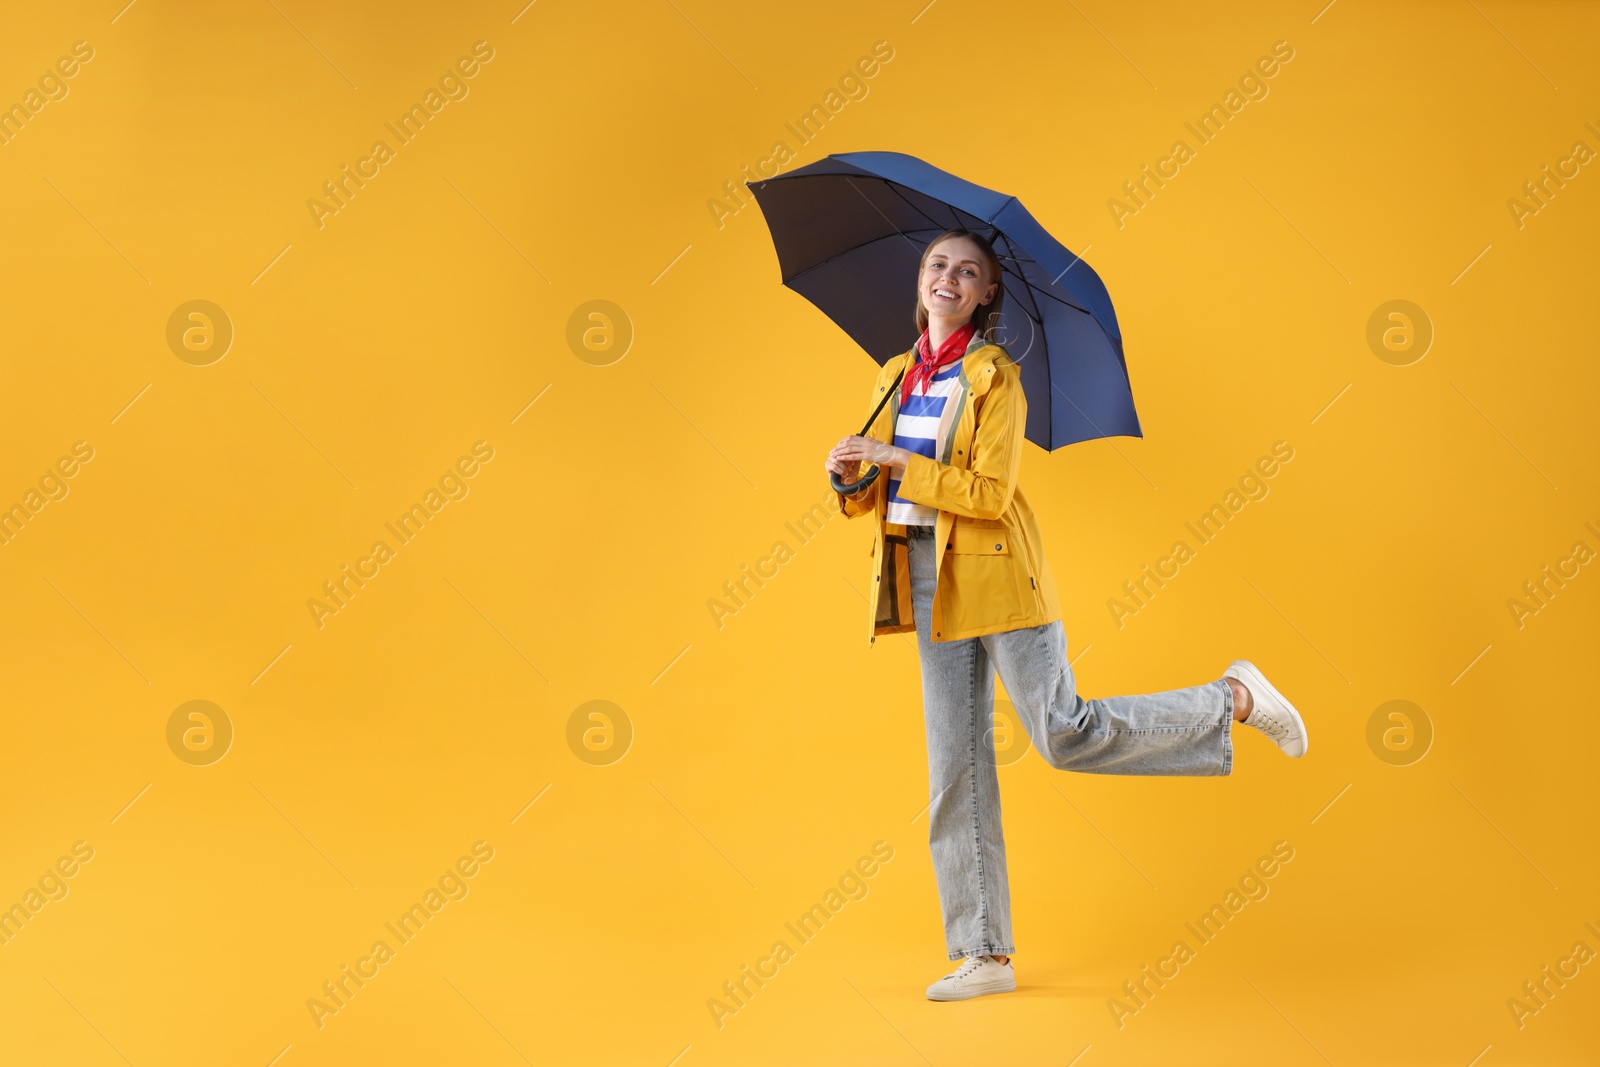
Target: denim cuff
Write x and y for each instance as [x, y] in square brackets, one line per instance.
[1227, 728]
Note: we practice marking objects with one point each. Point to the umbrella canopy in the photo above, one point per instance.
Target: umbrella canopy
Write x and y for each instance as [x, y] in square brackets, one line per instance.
[850, 231]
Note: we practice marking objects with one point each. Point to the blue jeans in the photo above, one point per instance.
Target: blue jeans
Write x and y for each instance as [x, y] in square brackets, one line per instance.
[1182, 731]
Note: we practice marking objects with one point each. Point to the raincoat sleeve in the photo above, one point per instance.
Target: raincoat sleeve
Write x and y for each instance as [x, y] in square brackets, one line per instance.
[983, 489]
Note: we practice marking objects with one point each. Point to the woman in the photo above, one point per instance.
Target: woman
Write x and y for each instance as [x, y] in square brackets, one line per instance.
[958, 550]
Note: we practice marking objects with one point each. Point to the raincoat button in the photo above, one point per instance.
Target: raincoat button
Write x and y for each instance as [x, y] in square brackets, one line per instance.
[997, 548]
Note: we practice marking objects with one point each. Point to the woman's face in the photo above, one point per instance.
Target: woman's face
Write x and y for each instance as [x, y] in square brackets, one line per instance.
[952, 285]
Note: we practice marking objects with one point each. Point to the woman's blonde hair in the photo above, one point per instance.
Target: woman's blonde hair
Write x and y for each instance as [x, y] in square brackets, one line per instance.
[985, 316]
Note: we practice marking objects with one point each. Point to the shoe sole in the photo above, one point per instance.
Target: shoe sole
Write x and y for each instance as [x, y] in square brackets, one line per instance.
[1256, 682]
[969, 994]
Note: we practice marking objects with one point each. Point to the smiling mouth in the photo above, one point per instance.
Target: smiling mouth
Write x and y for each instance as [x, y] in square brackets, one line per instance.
[944, 294]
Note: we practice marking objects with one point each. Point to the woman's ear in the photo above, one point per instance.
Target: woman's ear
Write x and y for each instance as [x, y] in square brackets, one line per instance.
[994, 289]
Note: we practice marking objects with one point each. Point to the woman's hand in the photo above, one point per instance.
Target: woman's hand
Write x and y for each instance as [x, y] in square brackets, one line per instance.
[848, 455]
[849, 471]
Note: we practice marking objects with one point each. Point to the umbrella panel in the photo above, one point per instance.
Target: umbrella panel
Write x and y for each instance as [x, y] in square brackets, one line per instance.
[843, 234]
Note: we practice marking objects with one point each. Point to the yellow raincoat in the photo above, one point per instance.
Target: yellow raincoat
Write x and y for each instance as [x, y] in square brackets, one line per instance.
[989, 555]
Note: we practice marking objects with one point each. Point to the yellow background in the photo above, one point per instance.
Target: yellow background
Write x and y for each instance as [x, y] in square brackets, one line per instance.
[772, 752]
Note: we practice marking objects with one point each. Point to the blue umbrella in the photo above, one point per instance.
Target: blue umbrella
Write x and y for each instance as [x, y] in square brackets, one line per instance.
[850, 230]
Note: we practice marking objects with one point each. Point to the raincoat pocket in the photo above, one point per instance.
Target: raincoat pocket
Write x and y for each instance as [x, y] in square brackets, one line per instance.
[982, 574]
[979, 540]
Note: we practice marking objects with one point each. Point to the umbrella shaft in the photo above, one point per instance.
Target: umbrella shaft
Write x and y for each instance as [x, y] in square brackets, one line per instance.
[874, 417]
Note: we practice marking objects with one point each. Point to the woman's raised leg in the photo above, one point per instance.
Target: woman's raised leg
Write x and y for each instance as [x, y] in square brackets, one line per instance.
[1176, 732]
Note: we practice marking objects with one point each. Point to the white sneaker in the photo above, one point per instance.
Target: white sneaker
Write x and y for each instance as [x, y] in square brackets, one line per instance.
[976, 976]
[1270, 712]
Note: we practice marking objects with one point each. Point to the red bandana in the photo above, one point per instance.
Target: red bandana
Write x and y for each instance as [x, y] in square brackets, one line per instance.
[926, 366]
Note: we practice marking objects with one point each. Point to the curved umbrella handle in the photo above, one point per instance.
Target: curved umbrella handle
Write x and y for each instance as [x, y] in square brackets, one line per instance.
[854, 487]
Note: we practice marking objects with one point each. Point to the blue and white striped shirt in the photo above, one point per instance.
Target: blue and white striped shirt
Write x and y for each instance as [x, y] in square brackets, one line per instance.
[924, 425]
